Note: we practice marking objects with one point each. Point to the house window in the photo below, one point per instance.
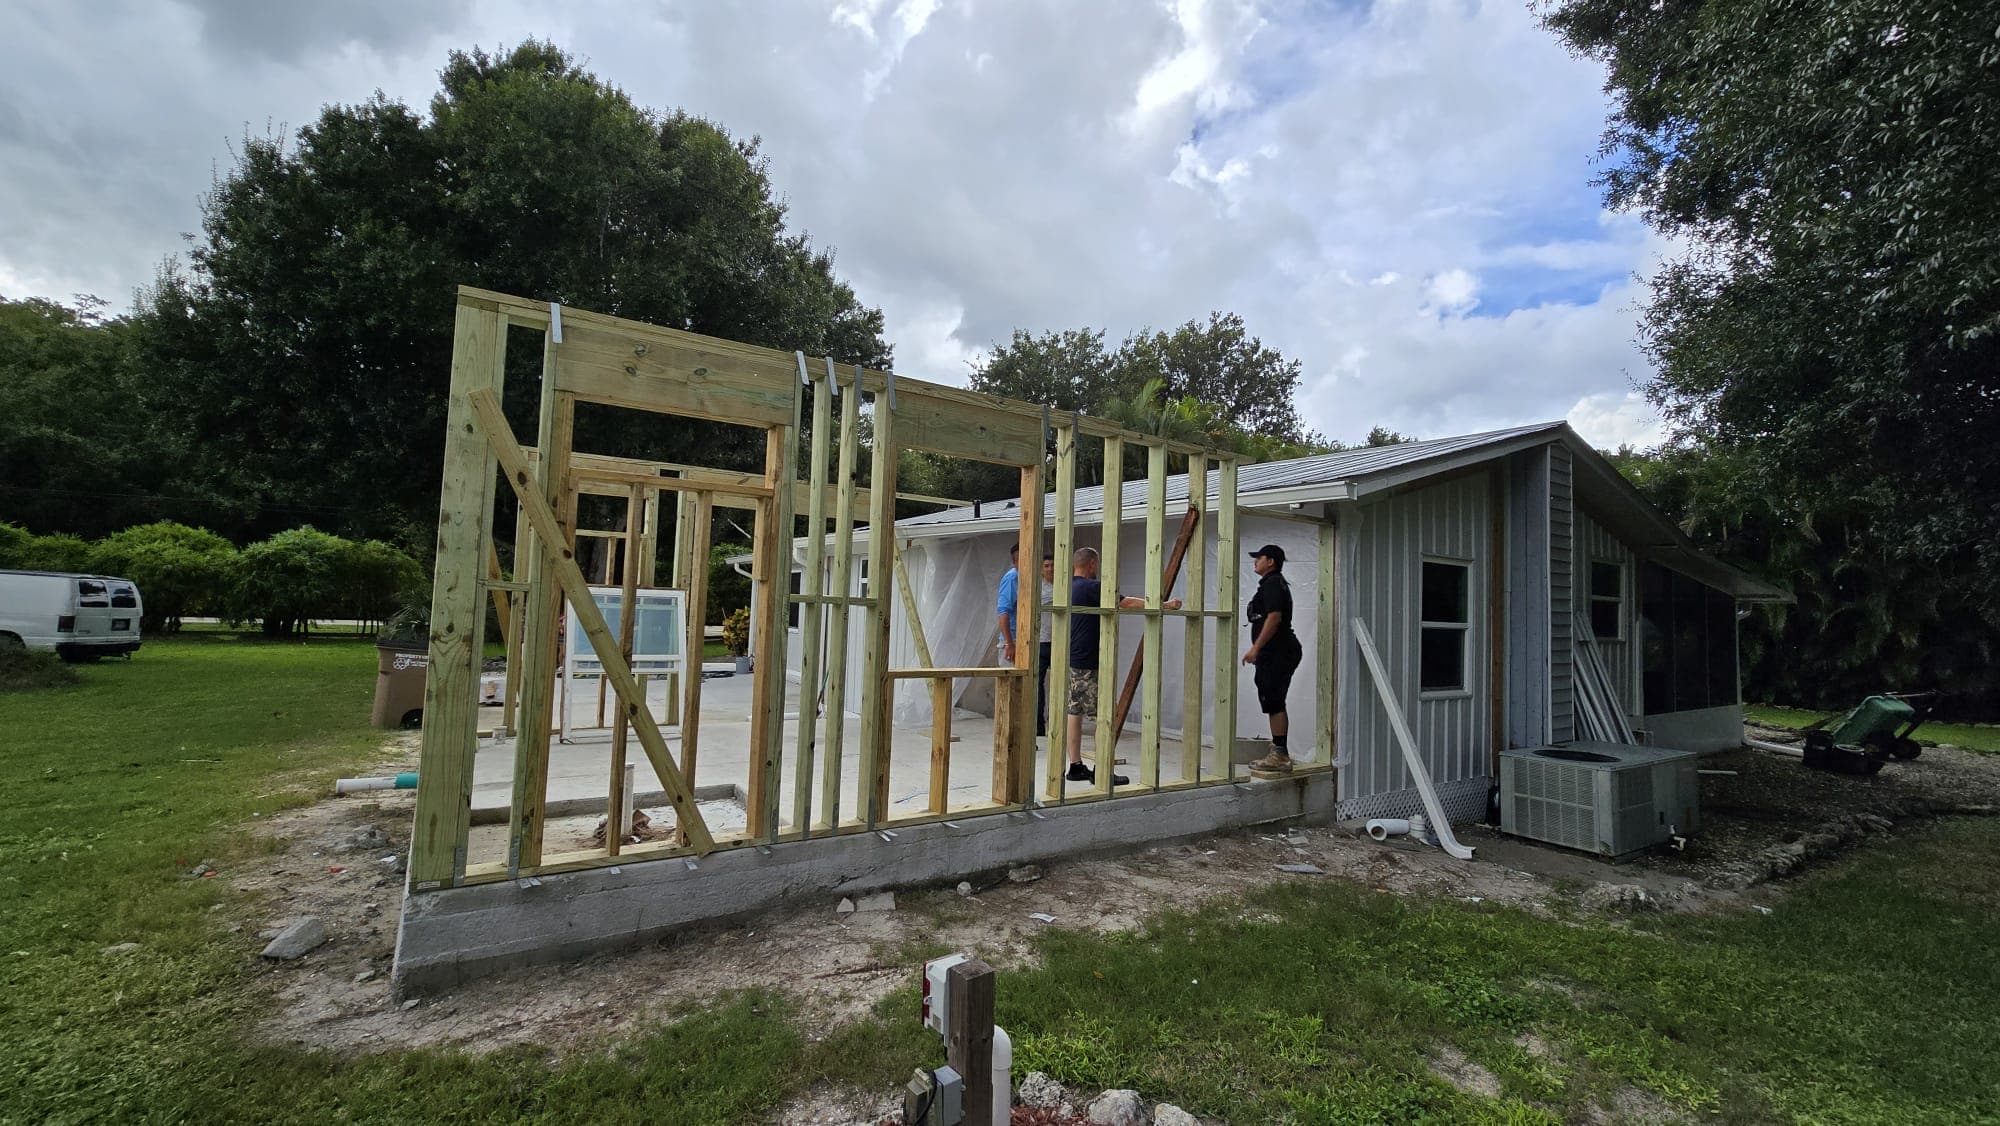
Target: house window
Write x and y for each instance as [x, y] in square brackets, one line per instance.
[1607, 601]
[1445, 619]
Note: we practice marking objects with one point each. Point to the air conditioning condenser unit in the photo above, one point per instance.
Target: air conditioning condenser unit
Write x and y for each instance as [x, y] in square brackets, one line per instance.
[1612, 799]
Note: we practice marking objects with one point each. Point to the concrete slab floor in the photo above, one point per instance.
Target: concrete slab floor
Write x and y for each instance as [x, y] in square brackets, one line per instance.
[580, 770]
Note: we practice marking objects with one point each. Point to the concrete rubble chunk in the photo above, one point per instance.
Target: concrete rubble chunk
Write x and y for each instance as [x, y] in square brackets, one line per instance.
[1024, 874]
[846, 907]
[880, 901]
[1041, 1092]
[964, 888]
[121, 948]
[1167, 1114]
[1301, 869]
[1119, 1107]
[298, 940]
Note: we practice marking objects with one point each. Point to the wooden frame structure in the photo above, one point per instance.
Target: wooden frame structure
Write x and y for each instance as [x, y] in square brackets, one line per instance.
[593, 358]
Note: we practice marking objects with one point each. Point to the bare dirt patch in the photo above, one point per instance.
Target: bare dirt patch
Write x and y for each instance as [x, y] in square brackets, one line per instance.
[836, 967]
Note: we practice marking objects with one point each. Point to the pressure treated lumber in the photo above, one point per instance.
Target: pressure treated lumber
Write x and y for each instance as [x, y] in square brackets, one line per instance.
[701, 519]
[615, 823]
[1171, 574]
[458, 619]
[1059, 611]
[500, 437]
[1194, 630]
[1107, 628]
[843, 578]
[812, 615]
[1227, 594]
[878, 692]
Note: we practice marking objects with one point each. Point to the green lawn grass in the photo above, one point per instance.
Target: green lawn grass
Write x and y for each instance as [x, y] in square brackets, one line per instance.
[1867, 996]
[1972, 737]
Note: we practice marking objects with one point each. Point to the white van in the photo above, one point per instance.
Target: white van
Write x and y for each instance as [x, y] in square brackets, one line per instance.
[81, 617]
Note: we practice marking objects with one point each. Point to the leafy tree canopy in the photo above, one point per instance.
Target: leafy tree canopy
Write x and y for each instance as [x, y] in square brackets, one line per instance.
[1832, 330]
[308, 348]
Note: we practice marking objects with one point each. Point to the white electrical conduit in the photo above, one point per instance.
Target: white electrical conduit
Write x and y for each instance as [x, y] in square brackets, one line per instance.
[1432, 804]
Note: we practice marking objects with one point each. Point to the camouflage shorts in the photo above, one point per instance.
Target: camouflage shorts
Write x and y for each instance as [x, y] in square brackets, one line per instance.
[1082, 692]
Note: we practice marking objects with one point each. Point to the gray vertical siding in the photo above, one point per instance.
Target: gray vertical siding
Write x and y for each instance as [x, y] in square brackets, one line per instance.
[1562, 584]
[1528, 598]
[1383, 546]
[1600, 546]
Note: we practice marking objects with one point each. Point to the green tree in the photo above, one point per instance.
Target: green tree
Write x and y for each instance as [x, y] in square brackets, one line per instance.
[1249, 386]
[1865, 621]
[1832, 329]
[308, 349]
[180, 571]
[292, 578]
[80, 448]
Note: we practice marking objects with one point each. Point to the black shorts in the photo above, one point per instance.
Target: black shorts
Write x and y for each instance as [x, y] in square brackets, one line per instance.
[1275, 666]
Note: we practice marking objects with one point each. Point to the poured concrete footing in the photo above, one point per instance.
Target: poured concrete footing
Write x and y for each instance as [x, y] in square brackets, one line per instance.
[453, 935]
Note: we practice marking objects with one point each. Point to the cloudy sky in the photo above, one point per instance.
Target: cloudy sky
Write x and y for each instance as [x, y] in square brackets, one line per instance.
[1396, 192]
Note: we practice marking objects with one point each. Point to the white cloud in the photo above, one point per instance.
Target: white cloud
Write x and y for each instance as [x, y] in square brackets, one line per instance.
[981, 167]
[1609, 420]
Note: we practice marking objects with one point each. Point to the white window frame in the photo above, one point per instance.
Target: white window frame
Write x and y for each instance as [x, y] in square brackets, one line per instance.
[1464, 629]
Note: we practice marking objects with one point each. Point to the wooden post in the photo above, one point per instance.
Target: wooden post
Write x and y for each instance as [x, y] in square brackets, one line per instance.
[1157, 585]
[813, 614]
[540, 657]
[1134, 671]
[1059, 616]
[1107, 623]
[649, 540]
[1196, 633]
[680, 576]
[1226, 667]
[701, 515]
[1014, 741]
[773, 613]
[1328, 664]
[843, 580]
[878, 691]
[493, 422]
[969, 1039]
[517, 612]
[458, 619]
[628, 618]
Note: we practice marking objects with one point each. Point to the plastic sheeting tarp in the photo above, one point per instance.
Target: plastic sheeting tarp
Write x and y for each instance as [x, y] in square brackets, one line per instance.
[955, 579]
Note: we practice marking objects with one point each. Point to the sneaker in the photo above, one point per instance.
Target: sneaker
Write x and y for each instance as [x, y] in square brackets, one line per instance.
[1277, 762]
[1081, 773]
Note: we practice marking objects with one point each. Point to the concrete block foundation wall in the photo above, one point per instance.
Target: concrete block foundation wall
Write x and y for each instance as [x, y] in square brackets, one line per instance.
[454, 935]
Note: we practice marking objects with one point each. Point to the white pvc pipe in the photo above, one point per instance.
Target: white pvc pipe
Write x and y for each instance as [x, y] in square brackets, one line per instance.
[1003, 1075]
[1775, 748]
[1411, 759]
[1382, 828]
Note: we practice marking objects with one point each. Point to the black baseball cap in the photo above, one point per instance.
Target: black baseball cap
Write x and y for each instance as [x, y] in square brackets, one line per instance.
[1276, 553]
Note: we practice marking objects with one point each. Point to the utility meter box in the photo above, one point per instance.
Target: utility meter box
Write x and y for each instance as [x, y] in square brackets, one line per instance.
[936, 997]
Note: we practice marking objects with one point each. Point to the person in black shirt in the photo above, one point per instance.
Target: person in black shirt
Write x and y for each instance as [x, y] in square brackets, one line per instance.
[1086, 590]
[1274, 651]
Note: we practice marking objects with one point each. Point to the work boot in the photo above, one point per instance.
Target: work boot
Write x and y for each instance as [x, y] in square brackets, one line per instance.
[1081, 773]
[1277, 764]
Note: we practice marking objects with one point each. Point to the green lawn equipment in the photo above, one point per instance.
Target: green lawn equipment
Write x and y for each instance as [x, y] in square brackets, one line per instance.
[1877, 730]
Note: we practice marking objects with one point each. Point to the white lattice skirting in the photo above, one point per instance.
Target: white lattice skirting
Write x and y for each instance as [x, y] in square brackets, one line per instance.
[1464, 800]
